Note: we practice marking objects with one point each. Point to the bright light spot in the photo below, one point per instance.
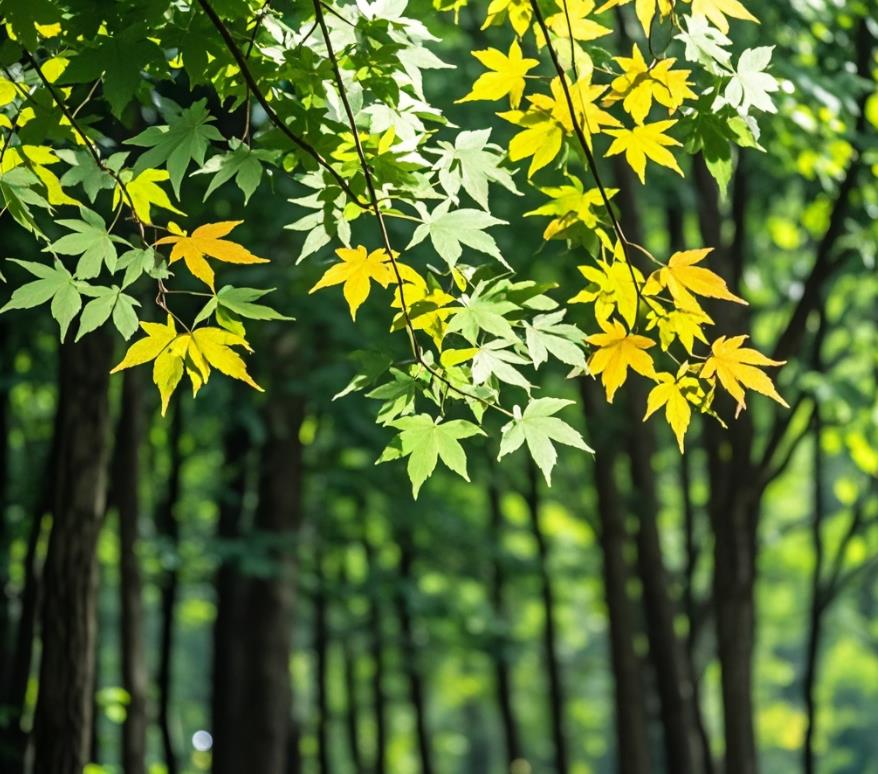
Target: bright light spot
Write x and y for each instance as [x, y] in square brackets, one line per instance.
[202, 741]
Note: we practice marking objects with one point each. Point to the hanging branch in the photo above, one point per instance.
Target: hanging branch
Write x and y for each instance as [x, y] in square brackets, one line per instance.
[417, 352]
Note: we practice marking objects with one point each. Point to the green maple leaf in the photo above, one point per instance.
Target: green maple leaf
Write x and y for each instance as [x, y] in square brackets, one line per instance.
[425, 441]
[448, 231]
[751, 86]
[118, 60]
[53, 282]
[241, 162]
[538, 427]
[91, 241]
[472, 163]
[496, 359]
[106, 302]
[184, 139]
[548, 335]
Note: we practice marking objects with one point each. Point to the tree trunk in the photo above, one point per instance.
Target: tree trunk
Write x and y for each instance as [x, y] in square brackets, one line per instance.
[264, 726]
[409, 648]
[376, 651]
[169, 528]
[352, 704]
[500, 649]
[228, 658]
[632, 738]
[683, 751]
[550, 637]
[321, 656]
[63, 719]
[126, 490]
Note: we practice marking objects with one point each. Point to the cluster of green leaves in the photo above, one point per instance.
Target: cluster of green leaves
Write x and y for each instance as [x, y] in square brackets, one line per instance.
[343, 111]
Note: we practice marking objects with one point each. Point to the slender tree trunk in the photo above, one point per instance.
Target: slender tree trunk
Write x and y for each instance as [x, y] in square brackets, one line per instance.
[63, 719]
[352, 704]
[263, 733]
[550, 636]
[683, 752]
[376, 652]
[5, 536]
[321, 654]
[126, 491]
[499, 651]
[734, 495]
[228, 657]
[169, 528]
[409, 648]
[632, 738]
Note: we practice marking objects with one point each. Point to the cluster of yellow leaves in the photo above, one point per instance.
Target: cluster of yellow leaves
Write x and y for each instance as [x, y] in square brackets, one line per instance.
[195, 352]
[201, 349]
[666, 302]
[617, 289]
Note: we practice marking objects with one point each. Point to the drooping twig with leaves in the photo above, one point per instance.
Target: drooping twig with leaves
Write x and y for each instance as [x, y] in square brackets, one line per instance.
[388, 187]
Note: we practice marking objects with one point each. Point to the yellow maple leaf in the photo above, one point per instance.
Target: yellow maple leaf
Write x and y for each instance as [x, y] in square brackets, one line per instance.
[736, 368]
[427, 307]
[683, 324]
[356, 270]
[640, 85]
[716, 12]
[683, 278]
[645, 10]
[194, 352]
[207, 241]
[617, 352]
[548, 120]
[519, 12]
[570, 204]
[38, 158]
[572, 19]
[646, 141]
[145, 193]
[612, 287]
[671, 392]
[507, 78]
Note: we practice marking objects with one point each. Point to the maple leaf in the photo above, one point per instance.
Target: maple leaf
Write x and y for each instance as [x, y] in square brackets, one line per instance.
[640, 85]
[538, 426]
[647, 141]
[683, 278]
[194, 352]
[425, 441]
[645, 10]
[716, 12]
[617, 352]
[207, 241]
[507, 78]
[143, 192]
[671, 392]
[548, 120]
[612, 287]
[683, 324]
[572, 21]
[751, 86]
[519, 12]
[427, 306]
[736, 367]
[356, 270]
[571, 204]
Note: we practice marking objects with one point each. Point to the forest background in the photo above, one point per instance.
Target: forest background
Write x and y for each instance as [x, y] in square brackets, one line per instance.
[270, 600]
